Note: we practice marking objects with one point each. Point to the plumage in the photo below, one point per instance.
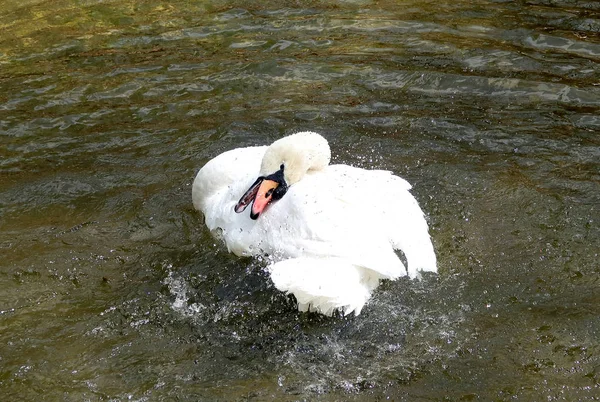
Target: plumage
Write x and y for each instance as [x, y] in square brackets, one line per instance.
[331, 237]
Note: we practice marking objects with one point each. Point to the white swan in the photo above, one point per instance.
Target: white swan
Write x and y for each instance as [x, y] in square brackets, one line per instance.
[329, 230]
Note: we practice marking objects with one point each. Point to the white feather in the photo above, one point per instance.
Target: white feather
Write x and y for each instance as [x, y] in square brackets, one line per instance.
[333, 234]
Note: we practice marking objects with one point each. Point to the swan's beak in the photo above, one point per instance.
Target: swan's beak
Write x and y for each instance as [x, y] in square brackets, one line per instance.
[264, 196]
[265, 190]
[260, 194]
[248, 196]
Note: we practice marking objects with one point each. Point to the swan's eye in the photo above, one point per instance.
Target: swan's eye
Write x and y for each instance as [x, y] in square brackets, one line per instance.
[279, 192]
[268, 193]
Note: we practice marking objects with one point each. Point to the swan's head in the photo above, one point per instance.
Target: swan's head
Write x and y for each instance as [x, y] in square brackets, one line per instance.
[285, 163]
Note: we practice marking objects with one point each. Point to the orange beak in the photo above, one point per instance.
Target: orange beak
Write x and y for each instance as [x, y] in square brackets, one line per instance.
[260, 194]
[265, 190]
[263, 198]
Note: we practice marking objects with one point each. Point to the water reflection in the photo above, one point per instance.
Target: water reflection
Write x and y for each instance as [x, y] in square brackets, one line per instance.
[112, 289]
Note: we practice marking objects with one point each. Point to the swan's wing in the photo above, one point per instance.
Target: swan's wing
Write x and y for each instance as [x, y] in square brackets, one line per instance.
[397, 213]
[319, 217]
[409, 232]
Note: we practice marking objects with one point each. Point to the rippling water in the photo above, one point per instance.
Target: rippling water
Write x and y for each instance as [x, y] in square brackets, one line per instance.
[112, 289]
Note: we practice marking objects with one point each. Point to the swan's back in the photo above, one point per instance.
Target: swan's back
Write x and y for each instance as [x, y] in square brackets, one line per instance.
[356, 214]
[343, 225]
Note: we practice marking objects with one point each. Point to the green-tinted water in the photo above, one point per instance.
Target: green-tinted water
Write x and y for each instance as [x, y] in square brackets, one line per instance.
[111, 288]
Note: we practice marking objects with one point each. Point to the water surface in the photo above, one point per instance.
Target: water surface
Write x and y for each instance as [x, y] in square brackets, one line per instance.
[112, 289]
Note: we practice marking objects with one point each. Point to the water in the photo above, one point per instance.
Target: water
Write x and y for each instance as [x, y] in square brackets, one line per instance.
[112, 289]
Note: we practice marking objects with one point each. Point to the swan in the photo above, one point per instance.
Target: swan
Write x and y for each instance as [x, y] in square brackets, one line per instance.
[330, 231]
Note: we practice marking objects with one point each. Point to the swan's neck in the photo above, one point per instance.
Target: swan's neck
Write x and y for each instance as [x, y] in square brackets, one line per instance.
[299, 153]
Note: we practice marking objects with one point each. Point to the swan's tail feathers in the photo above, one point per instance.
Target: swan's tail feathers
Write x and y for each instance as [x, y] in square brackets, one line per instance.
[325, 285]
[421, 258]
[409, 232]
